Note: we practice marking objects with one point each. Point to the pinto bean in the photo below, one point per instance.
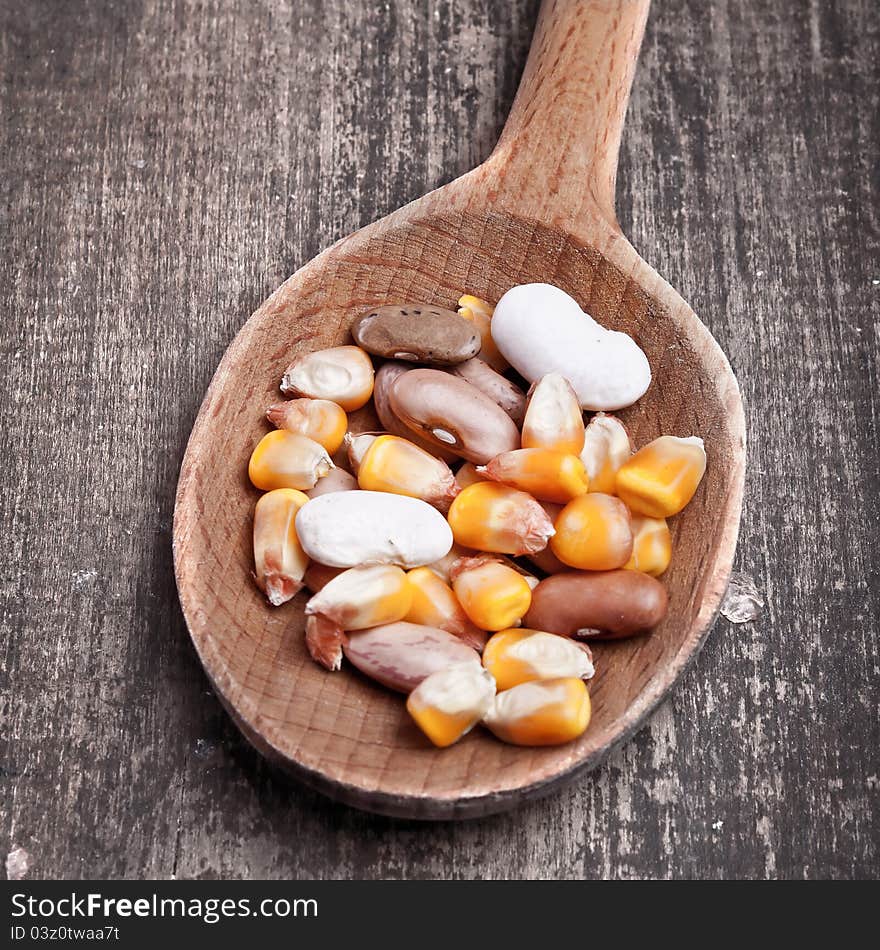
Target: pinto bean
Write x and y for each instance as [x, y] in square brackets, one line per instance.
[385, 378]
[450, 413]
[418, 333]
[497, 387]
[400, 655]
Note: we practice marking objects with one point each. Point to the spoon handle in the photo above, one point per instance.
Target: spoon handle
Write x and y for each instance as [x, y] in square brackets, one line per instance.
[556, 159]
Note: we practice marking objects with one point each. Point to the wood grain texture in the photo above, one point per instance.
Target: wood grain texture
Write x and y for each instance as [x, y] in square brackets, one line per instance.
[168, 164]
[528, 214]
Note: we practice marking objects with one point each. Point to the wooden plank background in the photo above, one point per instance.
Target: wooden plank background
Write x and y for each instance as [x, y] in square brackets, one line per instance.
[167, 163]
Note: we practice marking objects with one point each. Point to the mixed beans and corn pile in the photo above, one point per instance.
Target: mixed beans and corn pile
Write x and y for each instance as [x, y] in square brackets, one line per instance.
[424, 578]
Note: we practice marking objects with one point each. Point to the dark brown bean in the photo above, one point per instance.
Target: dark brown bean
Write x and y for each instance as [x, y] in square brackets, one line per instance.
[605, 605]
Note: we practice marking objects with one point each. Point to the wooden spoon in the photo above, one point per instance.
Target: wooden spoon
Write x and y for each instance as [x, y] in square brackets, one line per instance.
[541, 208]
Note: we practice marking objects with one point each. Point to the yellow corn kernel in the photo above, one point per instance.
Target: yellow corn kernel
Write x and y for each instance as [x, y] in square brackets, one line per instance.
[342, 374]
[652, 546]
[593, 533]
[546, 560]
[319, 419]
[493, 595]
[606, 447]
[479, 312]
[285, 459]
[543, 473]
[468, 475]
[520, 655]
[473, 305]
[544, 712]
[324, 641]
[530, 578]
[434, 604]
[449, 703]
[443, 567]
[356, 446]
[553, 417]
[364, 597]
[660, 479]
[395, 465]
[278, 556]
[492, 517]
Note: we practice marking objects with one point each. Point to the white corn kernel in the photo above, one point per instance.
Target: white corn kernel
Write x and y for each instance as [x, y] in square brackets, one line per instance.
[342, 374]
[553, 417]
[448, 704]
[520, 655]
[606, 447]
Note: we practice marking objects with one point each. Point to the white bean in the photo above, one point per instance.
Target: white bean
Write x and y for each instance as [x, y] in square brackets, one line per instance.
[540, 329]
[347, 528]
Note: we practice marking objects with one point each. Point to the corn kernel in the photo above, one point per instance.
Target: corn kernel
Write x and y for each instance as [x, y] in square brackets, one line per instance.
[546, 560]
[660, 479]
[442, 567]
[395, 465]
[434, 604]
[285, 459]
[540, 713]
[364, 597]
[342, 374]
[468, 475]
[520, 655]
[479, 312]
[319, 419]
[543, 473]
[472, 305]
[530, 578]
[593, 533]
[492, 517]
[553, 417]
[449, 703]
[606, 447]
[324, 641]
[652, 546]
[279, 558]
[493, 595]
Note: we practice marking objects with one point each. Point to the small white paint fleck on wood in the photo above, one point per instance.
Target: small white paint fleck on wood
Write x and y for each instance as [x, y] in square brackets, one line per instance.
[18, 863]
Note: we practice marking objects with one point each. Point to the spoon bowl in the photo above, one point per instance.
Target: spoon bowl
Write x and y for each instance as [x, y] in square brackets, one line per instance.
[540, 209]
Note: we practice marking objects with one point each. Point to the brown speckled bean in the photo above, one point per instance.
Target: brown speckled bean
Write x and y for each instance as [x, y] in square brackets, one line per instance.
[418, 333]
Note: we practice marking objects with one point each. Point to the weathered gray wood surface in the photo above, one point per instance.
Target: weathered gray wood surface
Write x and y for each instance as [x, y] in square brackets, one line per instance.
[166, 164]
